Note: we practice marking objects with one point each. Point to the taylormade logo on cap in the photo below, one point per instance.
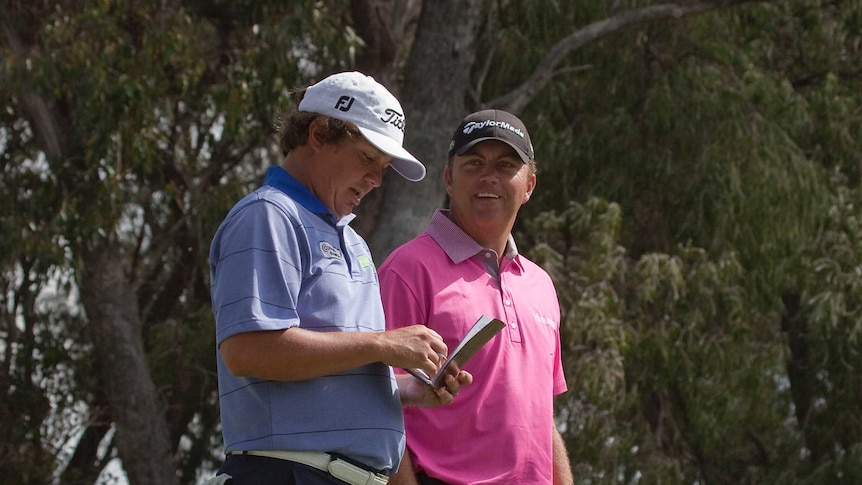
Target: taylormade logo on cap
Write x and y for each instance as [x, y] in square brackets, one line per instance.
[355, 97]
[469, 127]
[492, 124]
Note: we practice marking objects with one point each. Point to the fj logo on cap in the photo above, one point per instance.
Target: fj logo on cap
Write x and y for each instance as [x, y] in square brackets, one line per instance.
[344, 103]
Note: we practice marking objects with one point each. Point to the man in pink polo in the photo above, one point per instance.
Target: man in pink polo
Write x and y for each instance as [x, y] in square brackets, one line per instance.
[501, 429]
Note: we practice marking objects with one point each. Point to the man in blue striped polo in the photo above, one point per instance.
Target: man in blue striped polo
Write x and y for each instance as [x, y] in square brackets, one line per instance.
[306, 390]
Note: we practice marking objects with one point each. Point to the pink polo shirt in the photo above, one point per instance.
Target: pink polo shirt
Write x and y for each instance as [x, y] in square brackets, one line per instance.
[499, 429]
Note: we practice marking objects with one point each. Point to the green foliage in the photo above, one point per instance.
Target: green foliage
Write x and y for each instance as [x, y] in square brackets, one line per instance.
[664, 362]
[578, 247]
[133, 125]
[829, 321]
[730, 141]
[697, 207]
[183, 368]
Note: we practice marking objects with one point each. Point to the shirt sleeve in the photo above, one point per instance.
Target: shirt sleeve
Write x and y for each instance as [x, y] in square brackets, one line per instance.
[257, 275]
[560, 385]
[401, 306]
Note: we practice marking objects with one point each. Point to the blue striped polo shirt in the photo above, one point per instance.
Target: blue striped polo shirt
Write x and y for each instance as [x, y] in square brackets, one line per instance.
[281, 259]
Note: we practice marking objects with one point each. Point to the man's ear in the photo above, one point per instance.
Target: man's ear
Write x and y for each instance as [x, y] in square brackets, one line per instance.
[531, 186]
[315, 133]
[447, 178]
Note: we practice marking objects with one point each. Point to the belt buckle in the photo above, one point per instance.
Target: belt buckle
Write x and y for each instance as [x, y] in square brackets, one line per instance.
[354, 475]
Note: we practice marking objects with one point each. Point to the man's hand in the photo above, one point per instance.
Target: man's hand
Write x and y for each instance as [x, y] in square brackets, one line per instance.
[414, 392]
[414, 347]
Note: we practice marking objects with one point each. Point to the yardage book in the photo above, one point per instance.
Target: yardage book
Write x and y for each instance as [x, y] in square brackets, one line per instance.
[479, 334]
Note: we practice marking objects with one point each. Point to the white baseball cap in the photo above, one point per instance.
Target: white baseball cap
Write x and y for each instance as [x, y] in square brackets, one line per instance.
[355, 97]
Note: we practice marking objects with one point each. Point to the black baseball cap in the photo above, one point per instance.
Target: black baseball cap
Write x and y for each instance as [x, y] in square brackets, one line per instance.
[492, 124]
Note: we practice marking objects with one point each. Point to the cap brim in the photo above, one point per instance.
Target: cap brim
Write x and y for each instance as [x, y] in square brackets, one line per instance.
[524, 157]
[404, 163]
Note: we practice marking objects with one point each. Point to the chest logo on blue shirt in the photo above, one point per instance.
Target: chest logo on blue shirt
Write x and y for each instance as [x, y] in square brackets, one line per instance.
[364, 260]
[330, 251]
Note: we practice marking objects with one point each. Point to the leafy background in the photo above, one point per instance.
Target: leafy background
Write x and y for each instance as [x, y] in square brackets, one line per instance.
[697, 207]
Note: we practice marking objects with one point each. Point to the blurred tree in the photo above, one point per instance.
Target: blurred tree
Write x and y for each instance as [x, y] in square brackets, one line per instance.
[731, 144]
[128, 127]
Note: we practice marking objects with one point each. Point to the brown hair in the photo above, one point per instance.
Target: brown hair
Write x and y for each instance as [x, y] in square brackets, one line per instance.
[293, 128]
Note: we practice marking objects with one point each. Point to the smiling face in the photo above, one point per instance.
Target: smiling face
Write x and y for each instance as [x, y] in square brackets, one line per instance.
[345, 172]
[487, 185]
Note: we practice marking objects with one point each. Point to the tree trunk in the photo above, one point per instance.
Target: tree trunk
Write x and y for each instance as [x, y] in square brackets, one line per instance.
[387, 27]
[141, 435]
[436, 80]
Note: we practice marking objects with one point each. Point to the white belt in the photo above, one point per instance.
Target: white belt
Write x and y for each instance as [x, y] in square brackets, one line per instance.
[338, 468]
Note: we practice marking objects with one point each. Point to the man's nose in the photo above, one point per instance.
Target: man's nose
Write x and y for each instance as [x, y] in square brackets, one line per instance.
[375, 177]
[489, 172]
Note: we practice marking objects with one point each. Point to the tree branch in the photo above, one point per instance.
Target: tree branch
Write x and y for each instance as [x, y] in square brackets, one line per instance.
[44, 121]
[516, 100]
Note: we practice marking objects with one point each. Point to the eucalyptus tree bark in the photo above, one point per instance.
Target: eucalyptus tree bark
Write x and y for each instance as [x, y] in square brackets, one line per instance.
[109, 299]
[142, 436]
[387, 28]
[436, 78]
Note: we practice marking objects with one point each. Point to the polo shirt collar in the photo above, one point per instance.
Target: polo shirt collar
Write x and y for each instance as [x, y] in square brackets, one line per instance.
[456, 243]
[280, 179]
